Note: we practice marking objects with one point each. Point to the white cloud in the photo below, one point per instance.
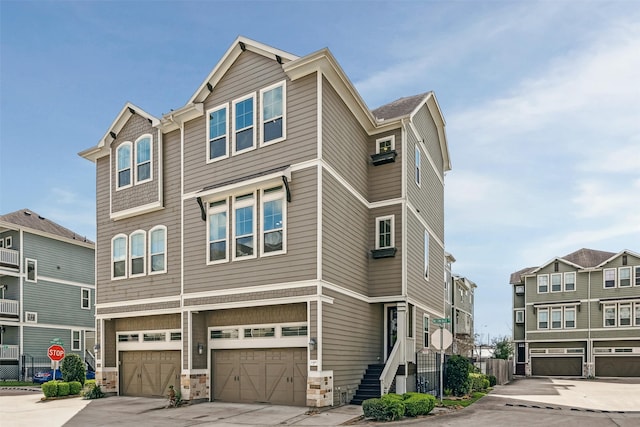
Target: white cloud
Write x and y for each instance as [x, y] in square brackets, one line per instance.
[607, 200]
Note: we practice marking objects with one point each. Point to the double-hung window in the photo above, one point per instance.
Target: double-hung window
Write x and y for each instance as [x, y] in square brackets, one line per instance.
[75, 340]
[244, 226]
[425, 326]
[119, 256]
[273, 218]
[137, 250]
[610, 278]
[519, 316]
[158, 249]
[543, 283]
[217, 130]
[418, 166]
[624, 314]
[85, 298]
[543, 318]
[637, 314]
[244, 118]
[556, 318]
[218, 212]
[570, 281]
[624, 278]
[556, 282]
[143, 159]
[123, 159]
[426, 254]
[610, 315]
[31, 270]
[272, 119]
[569, 317]
[384, 232]
[637, 275]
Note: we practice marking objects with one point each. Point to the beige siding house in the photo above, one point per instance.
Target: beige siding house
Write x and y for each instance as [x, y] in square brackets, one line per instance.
[272, 240]
[578, 315]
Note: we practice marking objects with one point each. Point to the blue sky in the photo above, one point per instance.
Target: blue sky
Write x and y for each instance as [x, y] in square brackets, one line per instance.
[541, 100]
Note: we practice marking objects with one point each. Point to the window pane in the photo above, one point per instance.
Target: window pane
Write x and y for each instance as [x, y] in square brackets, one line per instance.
[218, 226]
[144, 171]
[543, 283]
[556, 319]
[124, 177]
[637, 316]
[609, 278]
[610, 316]
[273, 241]
[137, 245]
[556, 283]
[143, 150]
[625, 277]
[218, 250]
[272, 103]
[625, 315]
[273, 129]
[543, 319]
[119, 269]
[218, 123]
[570, 281]
[124, 157]
[273, 215]
[570, 318]
[157, 262]
[218, 148]
[244, 114]
[244, 221]
[137, 266]
[294, 331]
[157, 241]
[157, 336]
[224, 333]
[244, 246]
[259, 332]
[244, 139]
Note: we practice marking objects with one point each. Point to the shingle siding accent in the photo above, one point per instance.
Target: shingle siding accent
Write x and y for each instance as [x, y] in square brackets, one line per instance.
[258, 315]
[251, 296]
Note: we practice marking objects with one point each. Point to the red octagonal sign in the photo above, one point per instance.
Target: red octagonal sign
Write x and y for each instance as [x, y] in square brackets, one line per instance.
[56, 353]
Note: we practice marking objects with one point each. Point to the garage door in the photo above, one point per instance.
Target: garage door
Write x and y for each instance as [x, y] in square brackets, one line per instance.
[621, 366]
[556, 366]
[148, 373]
[277, 376]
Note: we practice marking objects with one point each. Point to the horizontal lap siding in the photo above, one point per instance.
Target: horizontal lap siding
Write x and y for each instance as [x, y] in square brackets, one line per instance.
[299, 263]
[148, 323]
[345, 234]
[57, 304]
[344, 143]
[385, 274]
[60, 260]
[37, 340]
[385, 181]
[352, 334]
[149, 285]
[250, 73]
[285, 313]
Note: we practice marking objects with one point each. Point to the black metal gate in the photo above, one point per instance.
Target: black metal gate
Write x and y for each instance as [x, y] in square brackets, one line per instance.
[428, 373]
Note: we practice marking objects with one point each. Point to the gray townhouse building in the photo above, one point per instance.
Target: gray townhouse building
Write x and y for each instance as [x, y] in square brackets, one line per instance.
[272, 240]
[578, 315]
[47, 293]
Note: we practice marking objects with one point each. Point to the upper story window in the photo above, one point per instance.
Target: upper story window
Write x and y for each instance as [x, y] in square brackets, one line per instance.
[637, 275]
[609, 311]
[386, 144]
[244, 117]
[624, 278]
[543, 318]
[569, 317]
[636, 307]
[85, 298]
[425, 330]
[556, 318]
[75, 340]
[519, 316]
[418, 166]
[123, 156]
[272, 100]
[143, 159]
[609, 277]
[556, 282]
[384, 232]
[7, 242]
[137, 253]
[570, 281]
[31, 267]
[158, 249]
[218, 131]
[217, 218]
[244, 226]
[426, 254]
[624, 314]
[543, 283]
[119, 256]
[273, 217]
[519, 289]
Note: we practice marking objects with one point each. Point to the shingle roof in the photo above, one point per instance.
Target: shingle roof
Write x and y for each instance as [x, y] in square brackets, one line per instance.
[516, 277]
[588, 257]
[399, 107]
[30, 219]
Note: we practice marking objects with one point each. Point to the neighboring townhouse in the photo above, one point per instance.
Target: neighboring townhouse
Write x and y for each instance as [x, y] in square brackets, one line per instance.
[272, 240]
[47, 292]
[462, 297]
[578, 315]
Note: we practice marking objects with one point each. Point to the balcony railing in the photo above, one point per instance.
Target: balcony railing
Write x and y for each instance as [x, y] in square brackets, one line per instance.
[9, 258]
[8, 352]
[8, 307]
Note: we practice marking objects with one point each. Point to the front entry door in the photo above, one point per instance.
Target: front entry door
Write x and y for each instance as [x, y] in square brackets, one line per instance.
[392, 328]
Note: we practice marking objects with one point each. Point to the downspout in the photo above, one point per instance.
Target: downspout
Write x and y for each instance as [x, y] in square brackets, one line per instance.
[590, 360]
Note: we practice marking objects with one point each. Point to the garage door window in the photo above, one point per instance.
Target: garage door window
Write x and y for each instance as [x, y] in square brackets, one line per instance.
[217, 334]
[259, 332]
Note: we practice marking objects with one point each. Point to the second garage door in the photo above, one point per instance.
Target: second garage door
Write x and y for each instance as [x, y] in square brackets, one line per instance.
[277, 376]
[621, 366]
[556, 366]
[149, 373]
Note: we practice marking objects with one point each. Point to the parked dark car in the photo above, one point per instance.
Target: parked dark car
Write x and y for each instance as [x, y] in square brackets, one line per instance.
[91, 375]
[44, 376]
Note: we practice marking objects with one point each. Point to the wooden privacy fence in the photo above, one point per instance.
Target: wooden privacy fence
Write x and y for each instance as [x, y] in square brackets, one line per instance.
[501, 369]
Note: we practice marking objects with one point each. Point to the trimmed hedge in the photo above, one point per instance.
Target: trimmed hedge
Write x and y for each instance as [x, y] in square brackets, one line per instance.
[479, 382]
[75, 387]
[63, 388]
[50, 389]
[392, 407]
[418, 404]
[492, 380]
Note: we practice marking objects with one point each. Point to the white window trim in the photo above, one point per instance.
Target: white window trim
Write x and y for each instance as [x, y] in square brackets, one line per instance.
[540, 311]
[538, 283]
[391, 138]
[28, 313]
[166, 245]
[131, 177]
[275, 195]
[143, 256]
[519, 316]
[26, 270]
[418, 166]
[212, 211]
[235, 102]
[1, 243]
[427, 245]
[551, 276]
[575, 279]
[393, 237]
[631, 277]
[238, 204]
[631, 315]
[135, 161]
[615, 278]
[226, 135]
[79, 347]
[284, 113]
[564, 317]
[615, 315]
[126, 246]
[8, 242]
[636, 272]
[88, 299]
[551, 312]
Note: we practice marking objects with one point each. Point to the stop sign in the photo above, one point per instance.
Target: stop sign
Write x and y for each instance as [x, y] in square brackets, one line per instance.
[56, 353]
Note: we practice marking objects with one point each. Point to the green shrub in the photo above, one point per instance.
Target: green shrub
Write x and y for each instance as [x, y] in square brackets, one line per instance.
[392, 396]
[72, 368]
[485, 384]
[50, 389]
[374, 408]
[458, 381]
[75, 387]
[476, 382]
[418, 404]
[63, 388]
[389, 407]
[492, 380]
[89, 383]
[92, 390]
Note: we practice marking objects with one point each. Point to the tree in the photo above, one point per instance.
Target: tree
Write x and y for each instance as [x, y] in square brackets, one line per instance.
[503, 348]
[72, 369]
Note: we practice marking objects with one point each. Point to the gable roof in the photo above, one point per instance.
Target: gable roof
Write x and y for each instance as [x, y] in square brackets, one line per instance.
[624, 252]
[517, 276]
[26, 218]
[399, 107]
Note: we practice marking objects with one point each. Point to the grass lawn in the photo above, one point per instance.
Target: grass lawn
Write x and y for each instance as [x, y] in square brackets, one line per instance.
[461, 401]
[18, 384]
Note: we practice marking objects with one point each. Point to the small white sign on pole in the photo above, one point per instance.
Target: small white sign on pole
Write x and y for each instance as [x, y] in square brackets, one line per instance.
[445, 343]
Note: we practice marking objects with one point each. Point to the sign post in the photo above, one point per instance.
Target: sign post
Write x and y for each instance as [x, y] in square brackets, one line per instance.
[442, 334]
[56, 354]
